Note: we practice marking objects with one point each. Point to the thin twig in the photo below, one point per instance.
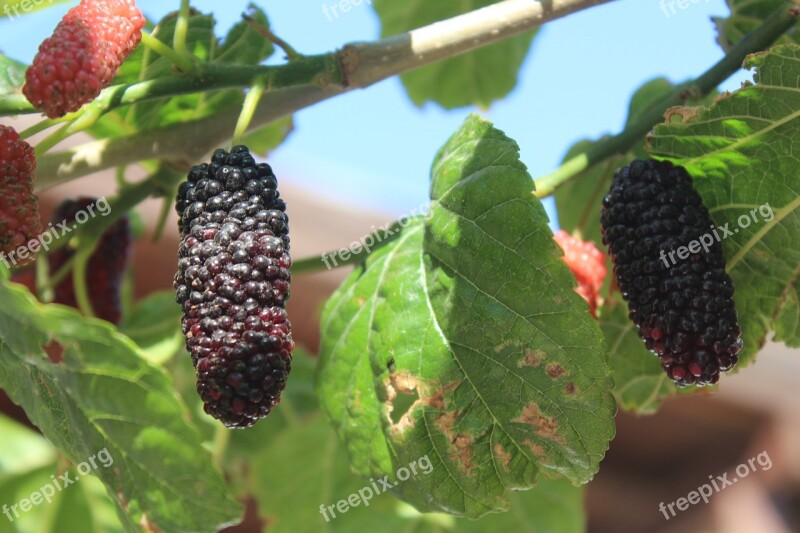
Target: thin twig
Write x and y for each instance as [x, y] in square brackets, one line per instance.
[291, 53]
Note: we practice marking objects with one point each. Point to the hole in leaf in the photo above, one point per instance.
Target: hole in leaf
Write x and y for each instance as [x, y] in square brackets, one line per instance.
[404, 400]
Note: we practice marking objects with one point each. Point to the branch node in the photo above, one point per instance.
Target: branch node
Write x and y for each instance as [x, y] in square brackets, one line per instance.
[349, 60]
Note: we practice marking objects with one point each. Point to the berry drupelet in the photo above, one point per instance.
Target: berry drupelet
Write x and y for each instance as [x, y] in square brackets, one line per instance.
[684, 311]
[588, 265]
[232, 283]
[83, 55]
[19, 206]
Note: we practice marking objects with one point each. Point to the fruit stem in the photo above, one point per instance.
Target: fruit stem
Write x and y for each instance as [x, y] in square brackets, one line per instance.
[43, 283]
[248, 110]
[41, 126]
[264, 31]
[759, 39]
[222, 437]
[59, 276]
[163, 216]
[82, 256]
[179, 39]
[179, 60]
[161, 180]
[597, 193]
[56, 137]
[328, 261]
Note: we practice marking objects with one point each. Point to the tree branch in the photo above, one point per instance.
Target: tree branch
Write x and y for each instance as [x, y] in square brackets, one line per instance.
[759, 39]
[368, 63]
[297, 85]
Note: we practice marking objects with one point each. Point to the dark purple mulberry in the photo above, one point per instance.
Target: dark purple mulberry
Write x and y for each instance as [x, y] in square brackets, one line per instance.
[232, 283]
[105, 271]
[683, 307]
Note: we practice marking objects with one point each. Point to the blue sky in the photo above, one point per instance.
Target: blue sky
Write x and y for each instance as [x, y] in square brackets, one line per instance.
[374, 147]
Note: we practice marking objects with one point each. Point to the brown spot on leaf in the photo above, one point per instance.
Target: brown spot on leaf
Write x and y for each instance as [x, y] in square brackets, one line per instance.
[407, 384]
[532, 358]
[463, 451]
[148, 526]
[545, 426]
[436, 399]
[503, 455]
[554, 370]
[446, 421]
[569, 388]
[502, 346]
[724, 95]
[681, 114]
[461, 443]
[401, 383]
[535, 448]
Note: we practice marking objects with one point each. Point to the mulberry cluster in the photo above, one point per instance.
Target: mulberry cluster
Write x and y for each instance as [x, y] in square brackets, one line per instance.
[684, 308]
[82, 56]
[588, 265]
[232, 283]
[105, 270]
[19, 207]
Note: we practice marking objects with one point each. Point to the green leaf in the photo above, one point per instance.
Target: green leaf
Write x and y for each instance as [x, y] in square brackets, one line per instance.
[28, 465]
[22, 450]
[303, 468]
[87, 509]
[13, 9]
[243, 44]
[266, 139]
[201, 41]
[314, 467]
[578, 202]
[742, 153]
[154, 324]
[12, 76]
[478, 77]
[787, 322]
[746, 16]
[462, 339]
[552, 506]
[103, 396]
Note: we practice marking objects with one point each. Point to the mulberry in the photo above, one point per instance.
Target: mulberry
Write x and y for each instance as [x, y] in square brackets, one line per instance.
[683, 308]
[106, 268]
[588, 265]
[232, 283]
[19, 207]
[82, 56]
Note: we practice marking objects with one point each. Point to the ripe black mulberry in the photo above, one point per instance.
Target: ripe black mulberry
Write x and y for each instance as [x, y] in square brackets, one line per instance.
[232, 283]
[683, 307]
